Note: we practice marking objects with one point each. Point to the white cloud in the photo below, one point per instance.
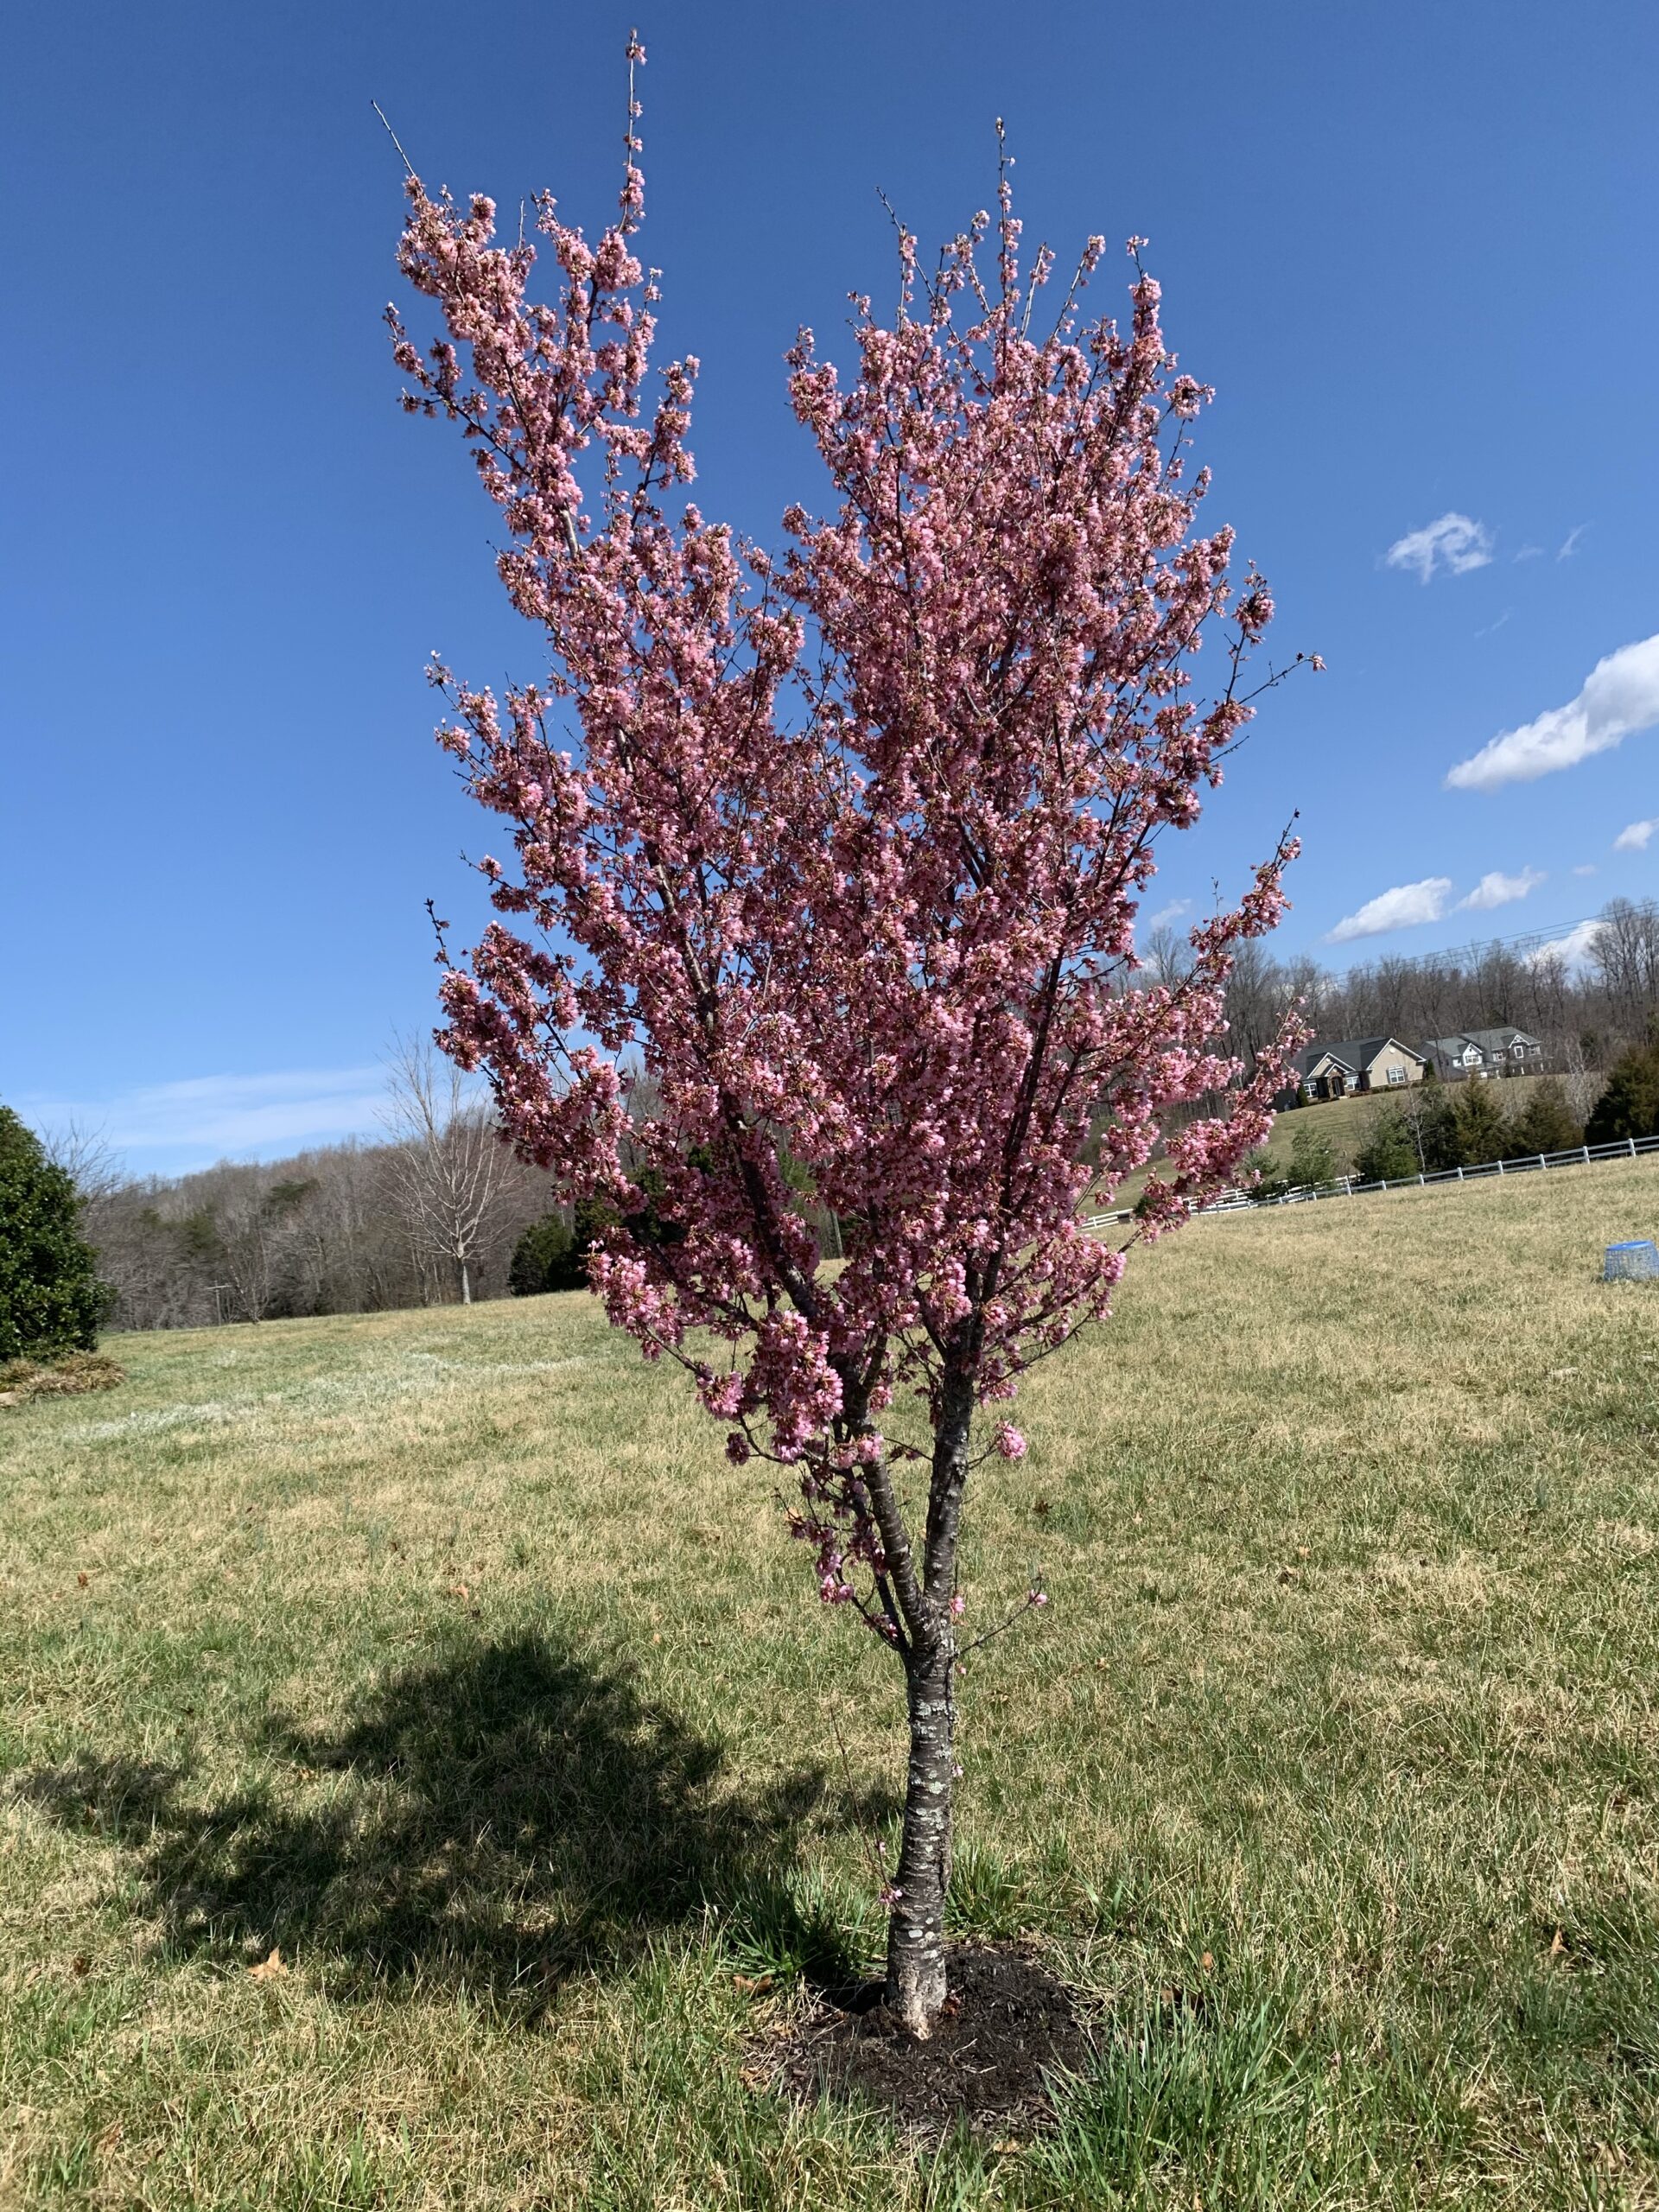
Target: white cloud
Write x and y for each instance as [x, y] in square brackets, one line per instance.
[1586, 867]
[1571, 951]
[1569, 544]
[1497, 889]
[1455, 541]
[1529, 553]
[1165, 915]
[1620, 696]
[1634, 838]
[1403, 908]
[217, 1115]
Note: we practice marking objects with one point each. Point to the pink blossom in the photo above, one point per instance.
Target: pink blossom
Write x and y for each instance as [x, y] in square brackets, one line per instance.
[841, 847]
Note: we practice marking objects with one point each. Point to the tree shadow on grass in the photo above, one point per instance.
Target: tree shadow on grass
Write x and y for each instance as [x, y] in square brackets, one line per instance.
[501, 1819]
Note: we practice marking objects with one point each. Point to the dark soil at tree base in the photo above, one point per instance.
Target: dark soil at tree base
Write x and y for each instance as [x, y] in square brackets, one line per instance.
[1008, 2028]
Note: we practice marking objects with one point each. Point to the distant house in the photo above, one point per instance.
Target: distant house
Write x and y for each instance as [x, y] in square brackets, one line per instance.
[1359, 1063]
[1481, 1052]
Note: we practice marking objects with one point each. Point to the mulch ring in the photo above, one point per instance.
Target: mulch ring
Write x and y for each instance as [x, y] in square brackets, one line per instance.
[1008, 2026]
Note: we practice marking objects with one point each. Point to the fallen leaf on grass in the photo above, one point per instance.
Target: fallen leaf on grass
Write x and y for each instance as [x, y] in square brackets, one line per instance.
[459, 1590]
[752, 1984]
[80, 1964]
[270, 1969]
[84, 1581]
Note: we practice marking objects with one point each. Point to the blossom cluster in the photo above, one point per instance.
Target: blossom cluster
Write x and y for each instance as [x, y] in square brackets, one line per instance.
[841, 848]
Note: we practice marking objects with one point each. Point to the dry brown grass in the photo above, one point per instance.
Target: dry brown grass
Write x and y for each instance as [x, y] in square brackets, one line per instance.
[69, 1375]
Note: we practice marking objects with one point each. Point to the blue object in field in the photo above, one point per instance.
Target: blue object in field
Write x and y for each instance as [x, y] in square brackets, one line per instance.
[1635, 1260]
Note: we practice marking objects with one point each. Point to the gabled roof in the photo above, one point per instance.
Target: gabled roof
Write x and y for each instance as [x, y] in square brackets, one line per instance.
[1311, 1055]
[1500, 1039]
[1453, 1048]
[1360, 1052]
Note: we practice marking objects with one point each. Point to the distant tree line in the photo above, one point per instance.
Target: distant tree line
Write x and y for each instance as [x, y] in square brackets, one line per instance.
[428, 1215]
[441, 1212]
[1585, 1011]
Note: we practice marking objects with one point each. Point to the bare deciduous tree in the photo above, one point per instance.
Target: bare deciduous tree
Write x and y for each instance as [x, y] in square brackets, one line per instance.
[86, 1156]
[448, 1171]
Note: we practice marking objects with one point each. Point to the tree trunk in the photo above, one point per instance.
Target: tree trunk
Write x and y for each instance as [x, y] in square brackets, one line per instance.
[466, 1283]
[916, 1986]
[915, 1981]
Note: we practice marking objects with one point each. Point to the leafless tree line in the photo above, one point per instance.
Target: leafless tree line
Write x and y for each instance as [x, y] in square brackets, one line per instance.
[428, 1215]
[1585, 1011]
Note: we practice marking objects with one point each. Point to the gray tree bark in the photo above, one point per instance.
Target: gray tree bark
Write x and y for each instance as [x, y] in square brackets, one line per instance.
[916, 1986]
[916, 1964]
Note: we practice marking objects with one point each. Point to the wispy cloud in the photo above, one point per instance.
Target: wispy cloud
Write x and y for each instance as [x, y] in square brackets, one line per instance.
[1403, 908]
[1529, 553]
[1497, 889]
[1498, 625]
[1586, 867]
[1453, 542]
[1569, 544]
[1633, 838]
[217, 1115]
[1620, 696]
[1172, 913]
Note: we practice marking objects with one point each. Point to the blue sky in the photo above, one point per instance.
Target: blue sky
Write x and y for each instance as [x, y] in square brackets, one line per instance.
[1411, 245]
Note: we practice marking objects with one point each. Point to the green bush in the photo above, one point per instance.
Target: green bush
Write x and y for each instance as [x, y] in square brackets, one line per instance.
[1434, 1120]
[1629, 1105]
[1545, 1123]
[1271, 1183]
[1312, 1158]
[1389, 1152]
[546, 1257]
[1483, 1126]
[51, 1300]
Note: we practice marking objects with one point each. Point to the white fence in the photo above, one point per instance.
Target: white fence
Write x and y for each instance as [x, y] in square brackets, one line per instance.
[1346, 1187]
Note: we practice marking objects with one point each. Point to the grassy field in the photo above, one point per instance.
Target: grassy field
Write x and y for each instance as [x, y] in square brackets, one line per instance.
[442, 1656]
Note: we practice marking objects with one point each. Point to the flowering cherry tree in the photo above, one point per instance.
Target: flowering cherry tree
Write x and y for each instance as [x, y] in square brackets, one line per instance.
[843, 846]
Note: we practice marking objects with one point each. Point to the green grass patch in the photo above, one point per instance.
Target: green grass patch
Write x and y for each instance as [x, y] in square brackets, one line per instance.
[444, 1655]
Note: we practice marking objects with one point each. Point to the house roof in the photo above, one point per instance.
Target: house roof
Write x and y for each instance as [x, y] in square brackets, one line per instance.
[1484, 1041]
[1360, 1052]
[1498, 1040]
[1311, 1055]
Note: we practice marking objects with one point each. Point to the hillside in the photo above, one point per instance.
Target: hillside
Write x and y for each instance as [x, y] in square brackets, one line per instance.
[1344, 1121]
